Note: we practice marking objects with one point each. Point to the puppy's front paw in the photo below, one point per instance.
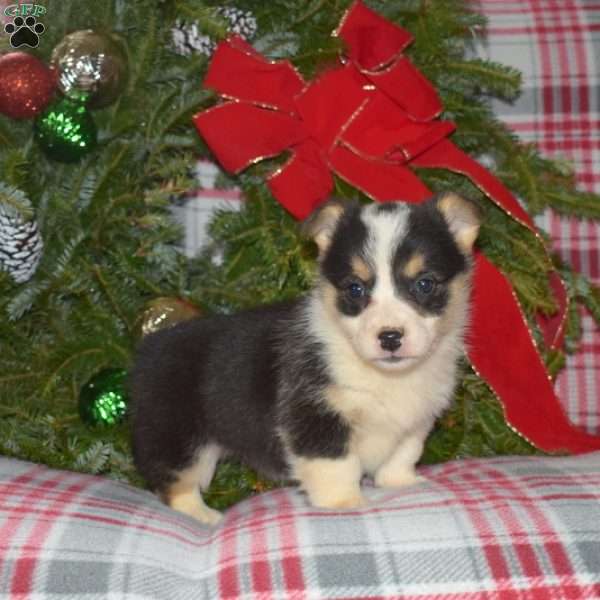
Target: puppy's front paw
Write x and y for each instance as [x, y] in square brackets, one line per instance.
[209, 516]
[331, 483]
[193, 505]
[389, 478]
[342, 503]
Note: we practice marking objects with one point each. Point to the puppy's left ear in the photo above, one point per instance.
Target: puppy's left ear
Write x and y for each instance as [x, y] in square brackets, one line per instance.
[463, 218]
[321, 224]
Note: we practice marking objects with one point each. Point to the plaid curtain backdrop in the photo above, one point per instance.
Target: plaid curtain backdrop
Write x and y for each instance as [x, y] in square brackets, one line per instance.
[556, 45]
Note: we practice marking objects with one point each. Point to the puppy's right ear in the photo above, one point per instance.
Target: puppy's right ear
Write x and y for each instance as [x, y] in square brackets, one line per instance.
[321, 224]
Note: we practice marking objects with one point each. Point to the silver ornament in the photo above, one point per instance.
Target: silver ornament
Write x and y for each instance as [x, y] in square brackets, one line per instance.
[91, 66]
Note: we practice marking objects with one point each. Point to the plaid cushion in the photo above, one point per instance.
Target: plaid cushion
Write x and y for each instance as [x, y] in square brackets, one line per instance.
[556, 45]
[505, 528]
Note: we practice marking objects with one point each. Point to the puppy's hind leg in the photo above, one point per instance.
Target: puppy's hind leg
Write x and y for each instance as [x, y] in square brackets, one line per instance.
[184, 494]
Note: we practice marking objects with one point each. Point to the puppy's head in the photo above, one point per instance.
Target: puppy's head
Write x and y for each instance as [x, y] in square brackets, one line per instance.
[394, 276]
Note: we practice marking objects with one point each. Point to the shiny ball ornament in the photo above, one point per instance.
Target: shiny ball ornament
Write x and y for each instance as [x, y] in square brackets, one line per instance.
[91, 67]
[66, 131]
[103, 400]
[165, 312]
[26, 85]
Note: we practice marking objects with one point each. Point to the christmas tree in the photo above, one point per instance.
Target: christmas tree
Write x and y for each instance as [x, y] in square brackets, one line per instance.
[75, 307]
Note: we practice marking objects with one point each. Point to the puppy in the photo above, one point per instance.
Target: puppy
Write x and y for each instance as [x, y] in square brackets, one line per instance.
[345, 381]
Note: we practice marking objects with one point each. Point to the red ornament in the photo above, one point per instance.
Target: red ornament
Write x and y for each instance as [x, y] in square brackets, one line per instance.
[26, 85]
[369, 120]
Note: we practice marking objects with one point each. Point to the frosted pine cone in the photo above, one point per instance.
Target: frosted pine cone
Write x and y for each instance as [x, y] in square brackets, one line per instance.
[20, 241]
[188, 39]
[240, 21]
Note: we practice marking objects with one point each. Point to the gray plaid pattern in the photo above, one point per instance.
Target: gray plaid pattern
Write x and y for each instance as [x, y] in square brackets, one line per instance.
[474, 529]
[556, 46]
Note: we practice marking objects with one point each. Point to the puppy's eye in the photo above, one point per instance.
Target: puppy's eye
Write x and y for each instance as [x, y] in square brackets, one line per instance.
[356, 290]
[425, 285]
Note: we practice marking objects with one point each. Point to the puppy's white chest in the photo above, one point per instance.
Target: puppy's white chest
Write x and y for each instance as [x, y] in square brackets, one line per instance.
[380, 419]
[383, 411]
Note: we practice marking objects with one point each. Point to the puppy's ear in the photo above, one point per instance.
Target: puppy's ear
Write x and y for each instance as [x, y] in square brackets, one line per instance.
[463, 218]
[321, 224]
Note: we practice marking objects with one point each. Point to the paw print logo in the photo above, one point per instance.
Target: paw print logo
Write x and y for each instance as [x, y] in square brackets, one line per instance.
[24, 32]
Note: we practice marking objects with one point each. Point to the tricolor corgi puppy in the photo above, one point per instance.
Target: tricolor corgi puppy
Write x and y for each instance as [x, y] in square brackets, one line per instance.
[345, 381]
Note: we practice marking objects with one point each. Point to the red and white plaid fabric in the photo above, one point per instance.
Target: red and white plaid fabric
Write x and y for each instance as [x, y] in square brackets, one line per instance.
[556, 45]
[497, 529]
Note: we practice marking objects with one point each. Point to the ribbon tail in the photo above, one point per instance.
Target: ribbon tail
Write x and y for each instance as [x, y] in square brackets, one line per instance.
[553, 326]
[379, 180]
[503, 352]
[446, 155]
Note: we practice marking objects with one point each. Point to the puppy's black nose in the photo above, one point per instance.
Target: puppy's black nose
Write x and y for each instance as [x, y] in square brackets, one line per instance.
[391, 339]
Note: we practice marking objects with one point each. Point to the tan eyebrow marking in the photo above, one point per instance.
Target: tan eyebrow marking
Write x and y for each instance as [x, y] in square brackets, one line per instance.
[414, 265]
[361, 268]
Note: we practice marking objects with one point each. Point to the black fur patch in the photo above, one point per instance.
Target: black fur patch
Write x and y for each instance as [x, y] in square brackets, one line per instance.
[238, 381]
[388, 207]
[428, 234]
[209, 380]
[316, 431]
[311, 427]
[348, 241]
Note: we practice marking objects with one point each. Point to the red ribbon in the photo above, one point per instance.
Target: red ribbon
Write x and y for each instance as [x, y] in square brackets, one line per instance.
[367, 120]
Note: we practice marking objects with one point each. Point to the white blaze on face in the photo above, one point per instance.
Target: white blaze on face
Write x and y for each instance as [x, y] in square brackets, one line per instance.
[387, 310]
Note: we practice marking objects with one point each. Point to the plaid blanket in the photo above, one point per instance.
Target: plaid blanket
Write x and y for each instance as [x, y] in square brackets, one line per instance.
[503, 529]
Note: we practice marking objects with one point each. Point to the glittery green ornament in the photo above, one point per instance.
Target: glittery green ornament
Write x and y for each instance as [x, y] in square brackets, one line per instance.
[103, 399]
[66, 131]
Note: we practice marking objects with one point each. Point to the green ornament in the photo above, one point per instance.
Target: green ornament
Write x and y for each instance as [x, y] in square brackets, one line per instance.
[66, 131]
[103, 399]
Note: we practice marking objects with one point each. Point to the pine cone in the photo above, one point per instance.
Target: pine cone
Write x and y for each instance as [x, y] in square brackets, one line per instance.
[20, 243]
[187, 38]
[240, 21]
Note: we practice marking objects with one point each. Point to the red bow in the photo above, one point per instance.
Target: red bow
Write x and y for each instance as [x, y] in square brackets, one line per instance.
[367, 120]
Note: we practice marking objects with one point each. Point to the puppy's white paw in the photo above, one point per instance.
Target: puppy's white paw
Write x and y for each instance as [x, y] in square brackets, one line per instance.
[388, 478]
[193, 505]
[208, 515]
[331, 483]
[342, 502]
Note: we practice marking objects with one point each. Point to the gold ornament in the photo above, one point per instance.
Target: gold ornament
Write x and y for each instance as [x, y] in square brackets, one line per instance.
[91, 66]
[165, 312]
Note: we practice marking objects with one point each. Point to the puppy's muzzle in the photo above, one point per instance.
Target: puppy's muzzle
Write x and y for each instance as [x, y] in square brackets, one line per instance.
[391, 339]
